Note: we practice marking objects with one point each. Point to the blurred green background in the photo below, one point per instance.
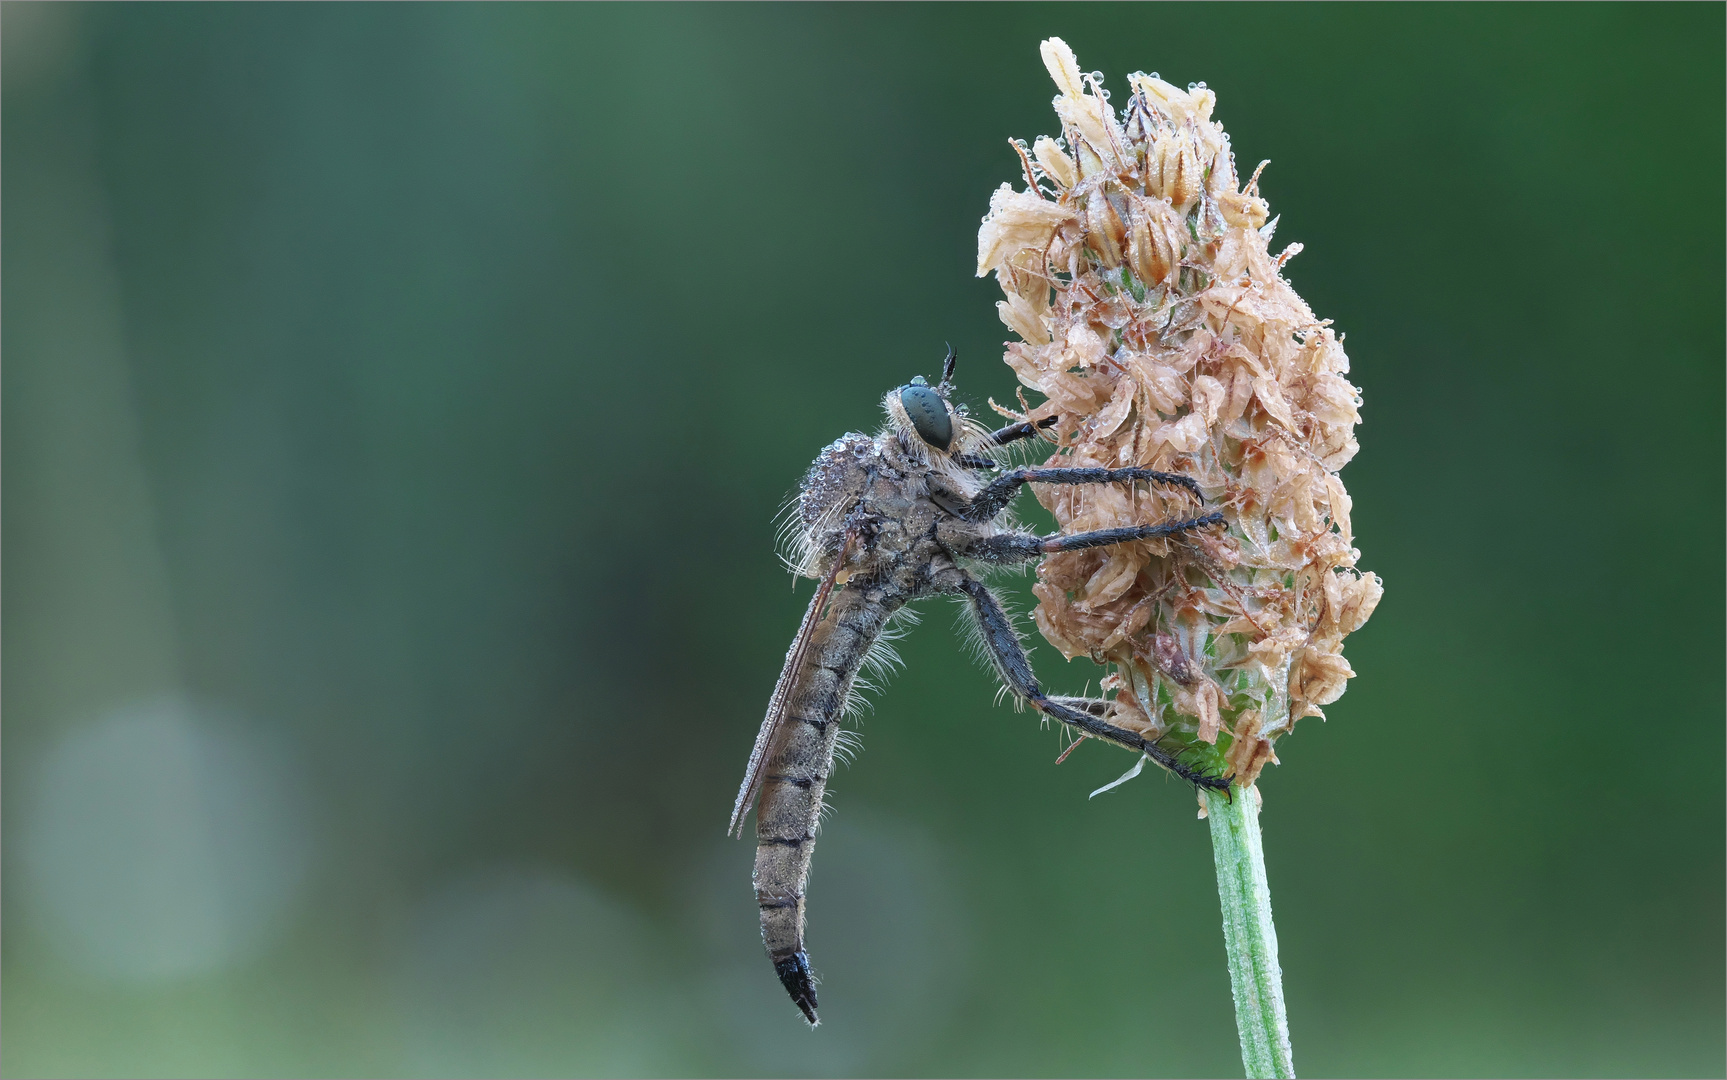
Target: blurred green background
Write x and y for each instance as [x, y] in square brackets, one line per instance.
[396, 402]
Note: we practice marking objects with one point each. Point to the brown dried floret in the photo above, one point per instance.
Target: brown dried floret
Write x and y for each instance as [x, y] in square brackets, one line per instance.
[1154, 318]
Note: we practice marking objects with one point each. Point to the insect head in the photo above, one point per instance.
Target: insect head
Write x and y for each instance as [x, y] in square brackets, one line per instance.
[927, 408]
[927, 411]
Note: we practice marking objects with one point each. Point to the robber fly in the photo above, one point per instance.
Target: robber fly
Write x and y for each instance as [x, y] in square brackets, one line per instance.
[880, 522]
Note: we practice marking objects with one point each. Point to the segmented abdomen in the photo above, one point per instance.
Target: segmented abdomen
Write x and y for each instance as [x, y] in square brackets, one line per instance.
[795, 780]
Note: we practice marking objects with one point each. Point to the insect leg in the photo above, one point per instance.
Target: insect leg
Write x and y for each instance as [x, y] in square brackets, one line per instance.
[1025, 429]
[1021, 547]
[1098, 707]
[976, 461]
[1015, 670]
[1012, 433]
[993, 499]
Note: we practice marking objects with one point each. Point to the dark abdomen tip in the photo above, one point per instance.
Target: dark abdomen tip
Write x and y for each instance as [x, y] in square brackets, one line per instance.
[794, 973]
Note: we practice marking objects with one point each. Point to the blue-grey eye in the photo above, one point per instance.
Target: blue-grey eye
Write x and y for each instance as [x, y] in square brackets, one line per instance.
[928, 413]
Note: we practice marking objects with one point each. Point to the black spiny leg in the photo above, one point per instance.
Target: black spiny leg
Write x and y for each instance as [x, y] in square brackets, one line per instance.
[993, 499]
[1022, 547]
[1025, 429]
[1098, 707]
[1015, 670]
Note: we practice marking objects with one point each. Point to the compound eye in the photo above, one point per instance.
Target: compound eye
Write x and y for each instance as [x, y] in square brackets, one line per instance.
[928, 413]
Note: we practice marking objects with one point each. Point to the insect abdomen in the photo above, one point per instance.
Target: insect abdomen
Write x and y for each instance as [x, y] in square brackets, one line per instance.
[795, 781]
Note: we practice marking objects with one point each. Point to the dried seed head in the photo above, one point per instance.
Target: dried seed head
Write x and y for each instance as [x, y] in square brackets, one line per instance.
[1157, 323]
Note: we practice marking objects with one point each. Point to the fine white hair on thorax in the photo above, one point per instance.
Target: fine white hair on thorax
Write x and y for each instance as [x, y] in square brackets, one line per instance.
[791, 539]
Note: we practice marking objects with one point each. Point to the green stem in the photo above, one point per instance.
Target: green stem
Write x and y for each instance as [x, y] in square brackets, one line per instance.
[1248, 933]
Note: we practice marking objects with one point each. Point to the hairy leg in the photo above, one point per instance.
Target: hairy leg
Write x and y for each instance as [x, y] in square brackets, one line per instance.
[1099, 707]
[1012, 433]
[1015, 670]
[1025, 429]
[1022, 547]
[993, 499]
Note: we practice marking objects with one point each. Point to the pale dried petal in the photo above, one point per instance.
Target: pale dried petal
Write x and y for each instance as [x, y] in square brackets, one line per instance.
[1088, 119]
[1246, 211]
[1115, 413]
[1240, 394]
[1221, 181]
[1208, 398]
[1358, 602]
[1176, 103]
[1017, 220]
[1115, 578]
[1165, 389]
[1019, 316]
[1270, 397]
[1062, 65]
[1085, 348]
[1248, 751]
[1319, 676]
[1056, 164]
[1332, 401]
[1339, 504]
[1182, 436]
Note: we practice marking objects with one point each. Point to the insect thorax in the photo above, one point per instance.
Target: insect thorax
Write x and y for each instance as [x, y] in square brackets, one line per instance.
[836, 481]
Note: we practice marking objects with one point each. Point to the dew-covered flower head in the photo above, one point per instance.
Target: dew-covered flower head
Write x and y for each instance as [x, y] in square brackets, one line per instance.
[1151, 315]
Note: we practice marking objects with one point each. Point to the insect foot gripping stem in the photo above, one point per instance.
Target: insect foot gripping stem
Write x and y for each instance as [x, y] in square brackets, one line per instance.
[794, 973]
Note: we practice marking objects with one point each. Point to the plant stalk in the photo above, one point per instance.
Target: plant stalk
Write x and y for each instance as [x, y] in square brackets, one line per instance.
[1248, 933]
